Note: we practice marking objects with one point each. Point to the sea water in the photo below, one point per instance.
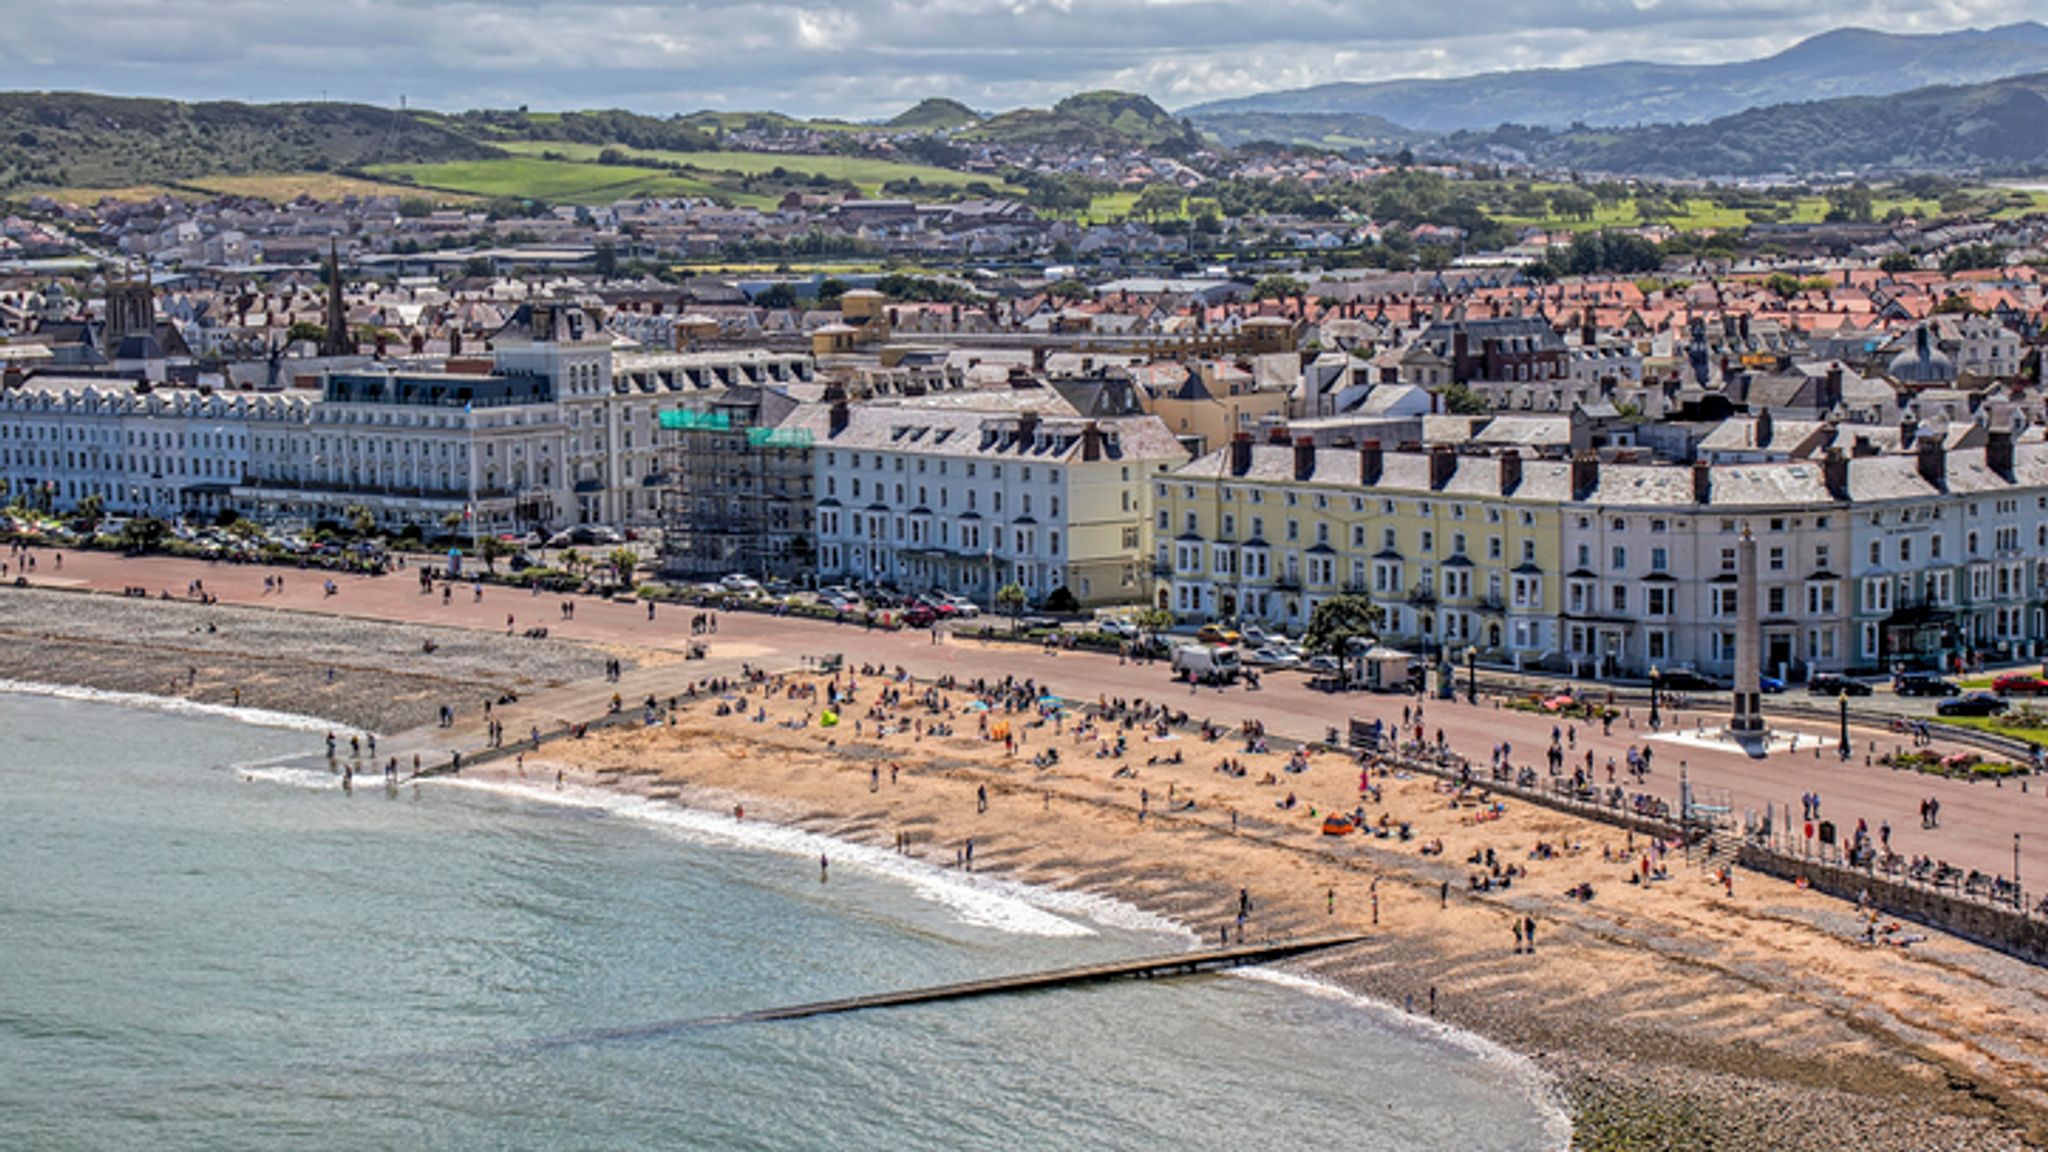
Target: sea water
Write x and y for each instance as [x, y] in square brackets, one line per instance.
[202, 949]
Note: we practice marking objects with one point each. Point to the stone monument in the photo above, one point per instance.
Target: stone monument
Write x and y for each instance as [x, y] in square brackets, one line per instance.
[1746, 725]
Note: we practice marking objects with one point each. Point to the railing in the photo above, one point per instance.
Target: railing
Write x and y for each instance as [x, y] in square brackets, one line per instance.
[1422, 594]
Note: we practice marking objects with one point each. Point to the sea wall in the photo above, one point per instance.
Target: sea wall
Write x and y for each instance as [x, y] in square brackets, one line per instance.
[2005, 929]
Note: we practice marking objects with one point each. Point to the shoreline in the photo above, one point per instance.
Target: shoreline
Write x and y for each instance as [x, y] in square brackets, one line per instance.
[1754, 1020]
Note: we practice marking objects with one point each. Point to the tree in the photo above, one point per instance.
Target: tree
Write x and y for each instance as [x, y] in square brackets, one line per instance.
[1850, 205]
[1339, 619]
[1969, 257]
[143, 534]
[360, 521]
[477, 267]
[778, 295]
[1159, 200]
[490, 549]
[1460, 400]
[1154, 620]
[606, 259]
[830, 290]
[452, 523]
[623, 562]
[1897, 263]
[89, 510]
[1012, 598]
[1572, 203]
[1278, 287]
[305, 330]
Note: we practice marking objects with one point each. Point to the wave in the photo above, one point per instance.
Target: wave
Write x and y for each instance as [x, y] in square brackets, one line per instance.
[259, 717]
[1520, 1071]
[979, 900]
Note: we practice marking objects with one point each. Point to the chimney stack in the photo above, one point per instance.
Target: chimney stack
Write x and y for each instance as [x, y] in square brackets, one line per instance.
[1371, 463]
[1443, 462]
[1834, 470]
[1304, 457]
[1510, 472]
[840, 415]
[1240, 453]
[1909, 431]
[1027, 426]
[1765, 429]
[1933, 456]
[1585, 475]
[1998, 454]
[1091, 441]
[1831, 393]
[1278, 435]
[1702, 482]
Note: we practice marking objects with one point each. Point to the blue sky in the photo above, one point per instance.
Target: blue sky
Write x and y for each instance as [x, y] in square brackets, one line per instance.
[870, 58]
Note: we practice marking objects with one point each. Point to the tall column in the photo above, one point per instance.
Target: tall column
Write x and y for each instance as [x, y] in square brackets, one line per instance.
[1748, 720]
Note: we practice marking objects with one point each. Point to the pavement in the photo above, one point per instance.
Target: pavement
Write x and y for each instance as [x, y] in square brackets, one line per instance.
[1979, 821]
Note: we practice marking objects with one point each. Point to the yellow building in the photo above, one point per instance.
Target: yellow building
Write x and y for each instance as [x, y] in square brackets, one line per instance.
[1459, 551]
[1208, 401]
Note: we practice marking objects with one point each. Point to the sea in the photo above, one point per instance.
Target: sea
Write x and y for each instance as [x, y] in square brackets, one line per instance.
[207, 943]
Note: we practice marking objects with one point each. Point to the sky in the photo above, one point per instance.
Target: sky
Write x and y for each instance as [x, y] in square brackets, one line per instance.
[868, 59]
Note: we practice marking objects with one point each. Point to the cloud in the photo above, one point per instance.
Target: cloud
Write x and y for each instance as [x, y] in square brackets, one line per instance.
[868, 58]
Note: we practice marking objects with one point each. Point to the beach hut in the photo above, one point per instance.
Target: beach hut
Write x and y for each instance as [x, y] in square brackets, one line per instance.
[1379, 668]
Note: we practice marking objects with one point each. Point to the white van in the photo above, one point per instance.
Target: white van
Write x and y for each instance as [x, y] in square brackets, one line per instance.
[1212, 663]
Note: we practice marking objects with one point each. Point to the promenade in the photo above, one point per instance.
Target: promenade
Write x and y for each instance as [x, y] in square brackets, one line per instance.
[1978, 819]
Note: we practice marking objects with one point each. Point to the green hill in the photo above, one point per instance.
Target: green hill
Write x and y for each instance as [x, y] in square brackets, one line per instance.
[935, 114]
[1343, 131]
[1109, 120]
[1998, 128]
[80, 139]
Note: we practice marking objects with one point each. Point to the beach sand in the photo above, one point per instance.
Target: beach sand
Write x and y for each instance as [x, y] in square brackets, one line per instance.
[1671, 1014]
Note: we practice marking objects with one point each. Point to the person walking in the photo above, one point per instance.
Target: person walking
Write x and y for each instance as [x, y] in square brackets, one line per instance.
[1529, 933]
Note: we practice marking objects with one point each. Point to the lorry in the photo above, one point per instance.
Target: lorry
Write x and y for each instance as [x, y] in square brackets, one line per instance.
[1206, 663]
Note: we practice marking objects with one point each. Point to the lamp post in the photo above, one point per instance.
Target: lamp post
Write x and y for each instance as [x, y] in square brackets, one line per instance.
[1842, 699]
[2016, 866]
[1656, 679]
[1471, 674]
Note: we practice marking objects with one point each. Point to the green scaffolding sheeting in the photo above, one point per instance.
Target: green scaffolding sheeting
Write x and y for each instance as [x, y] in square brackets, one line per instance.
[682, 420]
[779, 437]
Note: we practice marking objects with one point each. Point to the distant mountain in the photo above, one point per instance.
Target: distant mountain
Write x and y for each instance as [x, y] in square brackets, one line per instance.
[2000, 128]
[1845, 62]
[76, 138]
[1344, 132]
[935, 114]
[1113, 120]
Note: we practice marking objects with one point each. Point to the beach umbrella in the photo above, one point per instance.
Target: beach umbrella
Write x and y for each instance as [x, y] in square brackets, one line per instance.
[1050, 702]
[977, 706]
[828, 719]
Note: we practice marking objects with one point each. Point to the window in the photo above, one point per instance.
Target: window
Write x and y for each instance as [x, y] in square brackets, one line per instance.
[1660, 560]
[1777, 559]
[1619, 598]
[1618, 558]
[1657, 600]
[1774, 599]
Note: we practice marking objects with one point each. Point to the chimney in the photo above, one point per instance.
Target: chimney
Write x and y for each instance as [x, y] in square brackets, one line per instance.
[1933, 461]
[1304, 457]
[840, 414]
[1585, 475]
[1998, 454]
[1240, 453]
[1834, 471]
[1443, 461]
[1027, 426]
[1510, 472]
[1371, 463]
[1091, 441]
[1764, 429]
[1702, 482]
[1909, 431]
[1831, 392]
[1863, 446]
[455, 341]
[1277, 434]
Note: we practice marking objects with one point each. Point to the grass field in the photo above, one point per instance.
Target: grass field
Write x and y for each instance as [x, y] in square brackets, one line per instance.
[1997, 726]
[868, 173]
[282, 186]
[555, 181]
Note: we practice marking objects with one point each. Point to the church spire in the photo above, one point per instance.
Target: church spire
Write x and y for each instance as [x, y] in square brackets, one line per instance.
[337, 340]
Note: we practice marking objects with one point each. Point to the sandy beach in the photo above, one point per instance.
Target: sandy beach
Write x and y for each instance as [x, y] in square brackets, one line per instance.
[1672, 1014]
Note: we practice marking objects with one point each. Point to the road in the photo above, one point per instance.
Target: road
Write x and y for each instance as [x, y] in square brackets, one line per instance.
[1979, 820]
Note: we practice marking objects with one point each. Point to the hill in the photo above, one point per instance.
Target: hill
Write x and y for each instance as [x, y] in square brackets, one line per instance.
[935, 114]
[1845, 62]
[1999, 128]
[607, 126]
[1110, 120]
[80, 139]
[1345, 132]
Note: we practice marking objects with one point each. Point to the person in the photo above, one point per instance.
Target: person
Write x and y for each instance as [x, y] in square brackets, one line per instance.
[981, 798]
[824, 867]
[1529, 932]
[1443, 895]
[1518, 936]
[1331, 898]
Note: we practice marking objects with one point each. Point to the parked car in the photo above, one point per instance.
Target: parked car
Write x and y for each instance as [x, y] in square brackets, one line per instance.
[1770, 684]
[1830, 684]
[1269, 656]
[1687, 680]
[1038, 623]
[1975, 704]
[1923, 684]
[964, 608]
[1218, 634]
[740, 584]
[920, 616]
[1324, 665]
[2019, 684]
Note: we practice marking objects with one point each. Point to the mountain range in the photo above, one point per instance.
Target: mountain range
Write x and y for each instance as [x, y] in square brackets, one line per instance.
[1842, 63]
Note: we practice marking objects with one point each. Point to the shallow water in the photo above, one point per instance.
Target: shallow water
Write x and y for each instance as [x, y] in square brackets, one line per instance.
[196, 954]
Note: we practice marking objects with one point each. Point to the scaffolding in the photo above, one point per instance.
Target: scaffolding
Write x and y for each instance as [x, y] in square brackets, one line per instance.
[736, 492]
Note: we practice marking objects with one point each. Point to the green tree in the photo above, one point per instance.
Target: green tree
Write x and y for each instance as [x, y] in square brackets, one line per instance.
[1278, 287]
[1460, 400]
[605, 258]
[623, 562]
[360, 521]
[490, 550]
[830, 290]
[1159, 201]
[1899, 262]
[1850, 205]
[88, 512]
[144, 534]
[1012, 598]
[778, 295]
[1339, 619]
[305, 330]
[1572, 204]
[1970, 257]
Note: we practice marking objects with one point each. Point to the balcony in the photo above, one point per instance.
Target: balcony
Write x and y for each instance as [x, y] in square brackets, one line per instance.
[1287, 583]
[1422, 594]
[1357, 588]
[1491, 604]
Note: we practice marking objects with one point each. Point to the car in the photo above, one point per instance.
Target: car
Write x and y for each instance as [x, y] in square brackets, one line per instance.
[1118, 627]
[739, 583]
[1974, 704]
[1271, 656]
[920, 616]
[1218, 634]
[964, 608]
[2019, 684]
[1923, 684]
[1687, 680]
[838, 602]
[1038, 623]
[1770, 684]
[1830, 684]
[1324, 665]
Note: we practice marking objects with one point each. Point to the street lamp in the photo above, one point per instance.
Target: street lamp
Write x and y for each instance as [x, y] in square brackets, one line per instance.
[1843, 700]
[2016, 865]
[1471, 674]
[1656, 679]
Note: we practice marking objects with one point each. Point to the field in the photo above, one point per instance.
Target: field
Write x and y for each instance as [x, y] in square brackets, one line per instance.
[282, 186]
[555, 181]
[868, 173]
